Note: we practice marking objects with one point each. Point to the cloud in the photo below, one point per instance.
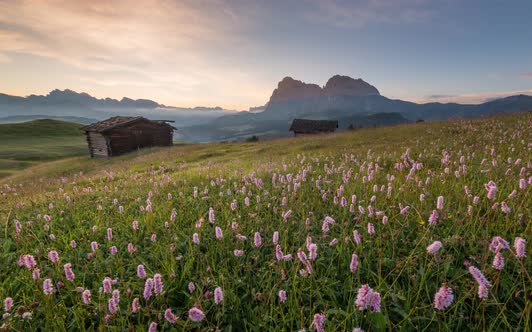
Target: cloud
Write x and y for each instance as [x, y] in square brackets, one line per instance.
[159, 43]
[440, 96]
[4, 58]
[471, 98]
[360, 13]
[526, 75]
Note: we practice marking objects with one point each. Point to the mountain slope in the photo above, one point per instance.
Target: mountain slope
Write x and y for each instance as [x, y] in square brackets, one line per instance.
[26, 144]
[71, 104]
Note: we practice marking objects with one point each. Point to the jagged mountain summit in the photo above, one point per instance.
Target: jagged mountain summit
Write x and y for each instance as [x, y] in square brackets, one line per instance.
[338, 85]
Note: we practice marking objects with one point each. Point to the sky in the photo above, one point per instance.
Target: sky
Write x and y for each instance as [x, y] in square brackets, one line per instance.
[232, 53]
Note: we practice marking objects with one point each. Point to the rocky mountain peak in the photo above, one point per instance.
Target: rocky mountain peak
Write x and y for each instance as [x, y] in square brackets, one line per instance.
[338, 85]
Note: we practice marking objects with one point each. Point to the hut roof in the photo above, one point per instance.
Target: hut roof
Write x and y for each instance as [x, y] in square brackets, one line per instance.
[119, 121]
[313, 126]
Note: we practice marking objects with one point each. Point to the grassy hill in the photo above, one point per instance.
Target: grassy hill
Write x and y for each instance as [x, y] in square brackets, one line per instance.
[413, 212]
[29, 143]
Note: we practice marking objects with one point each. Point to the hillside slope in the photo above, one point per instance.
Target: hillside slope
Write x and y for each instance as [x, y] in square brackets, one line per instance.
[25, 144]
[415, 227]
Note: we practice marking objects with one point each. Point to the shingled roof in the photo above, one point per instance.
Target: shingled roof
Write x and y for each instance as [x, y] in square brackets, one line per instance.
[307, 126]
[117, 121]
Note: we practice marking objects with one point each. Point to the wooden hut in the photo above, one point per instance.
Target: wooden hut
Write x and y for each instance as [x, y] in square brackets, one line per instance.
[121, 134]
[309, 127]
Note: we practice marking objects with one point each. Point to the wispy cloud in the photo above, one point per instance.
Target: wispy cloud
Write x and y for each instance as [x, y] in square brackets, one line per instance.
[471, 98]
[526, 75]
[157, 42]
[360, 13]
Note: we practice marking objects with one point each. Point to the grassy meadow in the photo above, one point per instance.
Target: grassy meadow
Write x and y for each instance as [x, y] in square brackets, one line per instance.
[29, 143]
[411, 228]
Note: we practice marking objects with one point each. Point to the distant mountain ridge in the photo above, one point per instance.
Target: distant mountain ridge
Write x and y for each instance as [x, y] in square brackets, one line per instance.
[353, 102]
[70, 104]
[69, 97]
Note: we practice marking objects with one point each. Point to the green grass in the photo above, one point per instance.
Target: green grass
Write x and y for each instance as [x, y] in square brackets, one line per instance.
[78, 194]
[30, 143]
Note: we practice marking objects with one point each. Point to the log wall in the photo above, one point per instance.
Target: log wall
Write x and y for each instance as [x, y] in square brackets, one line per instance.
[97, 144]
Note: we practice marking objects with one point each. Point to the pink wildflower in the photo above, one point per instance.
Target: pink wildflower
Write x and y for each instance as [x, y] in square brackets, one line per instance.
[498, 243]
[29, 261]
[282, 296]
[303, 258]
[218, 295]
[109, 234]
[371, 229]
[48, 288]
[113, 250]
[135, 225]
[443, 298]
[218, 232]
[519, 245]
[439, 203]
[169, 316]
[135, 305]
[107, 285]
[36, 274]
[152, 327]
[275, 238]
[8, 304]
[479, 277]
[318, 322]
[195, 238]
[434, 247]
[130, 248]
[498, 261]
[483, 283]
[356, 237]
[153, 237]
[238, 252]
[158, 283]
[491, 192]
[86, 296]
[325, 226]
[482, 292]
[312, 248]
[191, 287]
[148, 288]
[116, 296]
[433, 217]
[195, 314]
[211, 215]
[73, 244]
[53, 256]
[354, 263]
[278, 252]
[141, 273]
[94, 246]
[257, 239]
[505, 208]
[367, 298]
[69, 275]
[112, 306]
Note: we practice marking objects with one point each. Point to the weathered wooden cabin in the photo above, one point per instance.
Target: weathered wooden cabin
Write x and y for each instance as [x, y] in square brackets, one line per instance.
[121, 134]
[302, 127]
